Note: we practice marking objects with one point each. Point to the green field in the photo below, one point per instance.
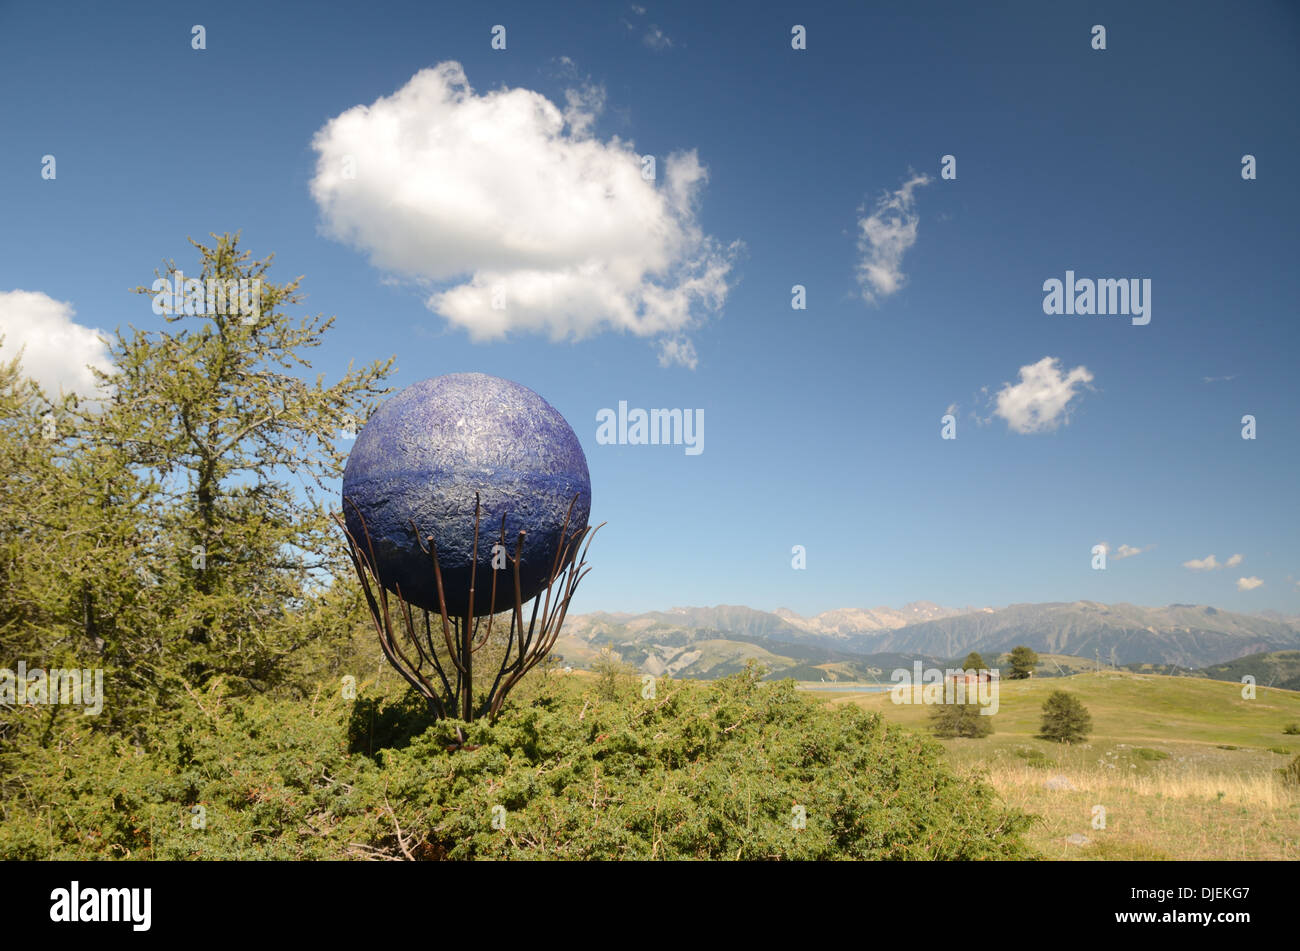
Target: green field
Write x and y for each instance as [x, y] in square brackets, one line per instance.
[1157, 761]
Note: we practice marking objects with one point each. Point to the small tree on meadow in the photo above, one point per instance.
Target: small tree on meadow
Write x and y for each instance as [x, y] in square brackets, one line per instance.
[609, 669]
[1065, 718]
[959, 720]
[1023, 661]
[974, 661]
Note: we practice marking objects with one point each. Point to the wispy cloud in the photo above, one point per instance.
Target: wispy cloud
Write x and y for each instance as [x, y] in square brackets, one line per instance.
[886, 235]
[582, 106]
[1040, 402]
[677, 350]
[57, 352]
[1218, 379]
[565, 67]
[1123, 551]
[570, 242]
[1210, 563]
[654, 38]
[657, 39]
[1248, 584]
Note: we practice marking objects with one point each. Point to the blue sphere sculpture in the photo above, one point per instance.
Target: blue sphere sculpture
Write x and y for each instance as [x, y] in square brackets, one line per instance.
[421, 458]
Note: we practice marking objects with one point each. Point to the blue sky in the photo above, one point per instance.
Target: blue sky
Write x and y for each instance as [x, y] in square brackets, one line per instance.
[822, 425]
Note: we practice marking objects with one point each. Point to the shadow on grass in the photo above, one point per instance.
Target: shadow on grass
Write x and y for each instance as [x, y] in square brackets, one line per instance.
[387, 723]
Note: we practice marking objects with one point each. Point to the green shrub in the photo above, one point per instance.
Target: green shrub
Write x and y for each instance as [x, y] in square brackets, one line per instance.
[1146, 753]
[1291, 773]
[1291, 729]
[218, 778]
[705, 770]
[1034, 757]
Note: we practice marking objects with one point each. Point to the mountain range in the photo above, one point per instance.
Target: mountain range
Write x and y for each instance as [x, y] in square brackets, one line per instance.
[714, 641]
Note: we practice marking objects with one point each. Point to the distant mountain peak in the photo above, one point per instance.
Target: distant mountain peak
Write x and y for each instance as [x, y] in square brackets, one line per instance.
[708, 641]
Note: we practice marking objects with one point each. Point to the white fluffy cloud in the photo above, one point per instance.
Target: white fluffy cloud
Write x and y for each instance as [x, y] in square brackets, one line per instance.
[1248, 584]
[536, 224]
[1040, 401]
[57, 352]
[886, 234]
[1234, 561]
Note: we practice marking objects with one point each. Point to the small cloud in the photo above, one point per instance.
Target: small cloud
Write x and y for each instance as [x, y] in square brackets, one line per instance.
[1123, 551]
[1248, 584]
[951, 410]
[638, 10]
[1040, 401]
[565, 67]
[887, 234]
[1218, 379]
[57, 352]
[657, 39]
[1210, 563]
[677, 351]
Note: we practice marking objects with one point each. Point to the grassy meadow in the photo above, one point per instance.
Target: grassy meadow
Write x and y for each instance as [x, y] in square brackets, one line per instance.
[1184, 768]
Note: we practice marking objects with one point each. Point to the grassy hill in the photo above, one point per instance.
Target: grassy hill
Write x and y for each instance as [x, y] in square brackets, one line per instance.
[1269, 668]
[1273, 669]
[1184, 767]
[1138, 708]
[1049, 665]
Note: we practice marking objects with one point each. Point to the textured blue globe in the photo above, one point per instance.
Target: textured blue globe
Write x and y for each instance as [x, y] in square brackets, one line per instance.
[422, 456]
